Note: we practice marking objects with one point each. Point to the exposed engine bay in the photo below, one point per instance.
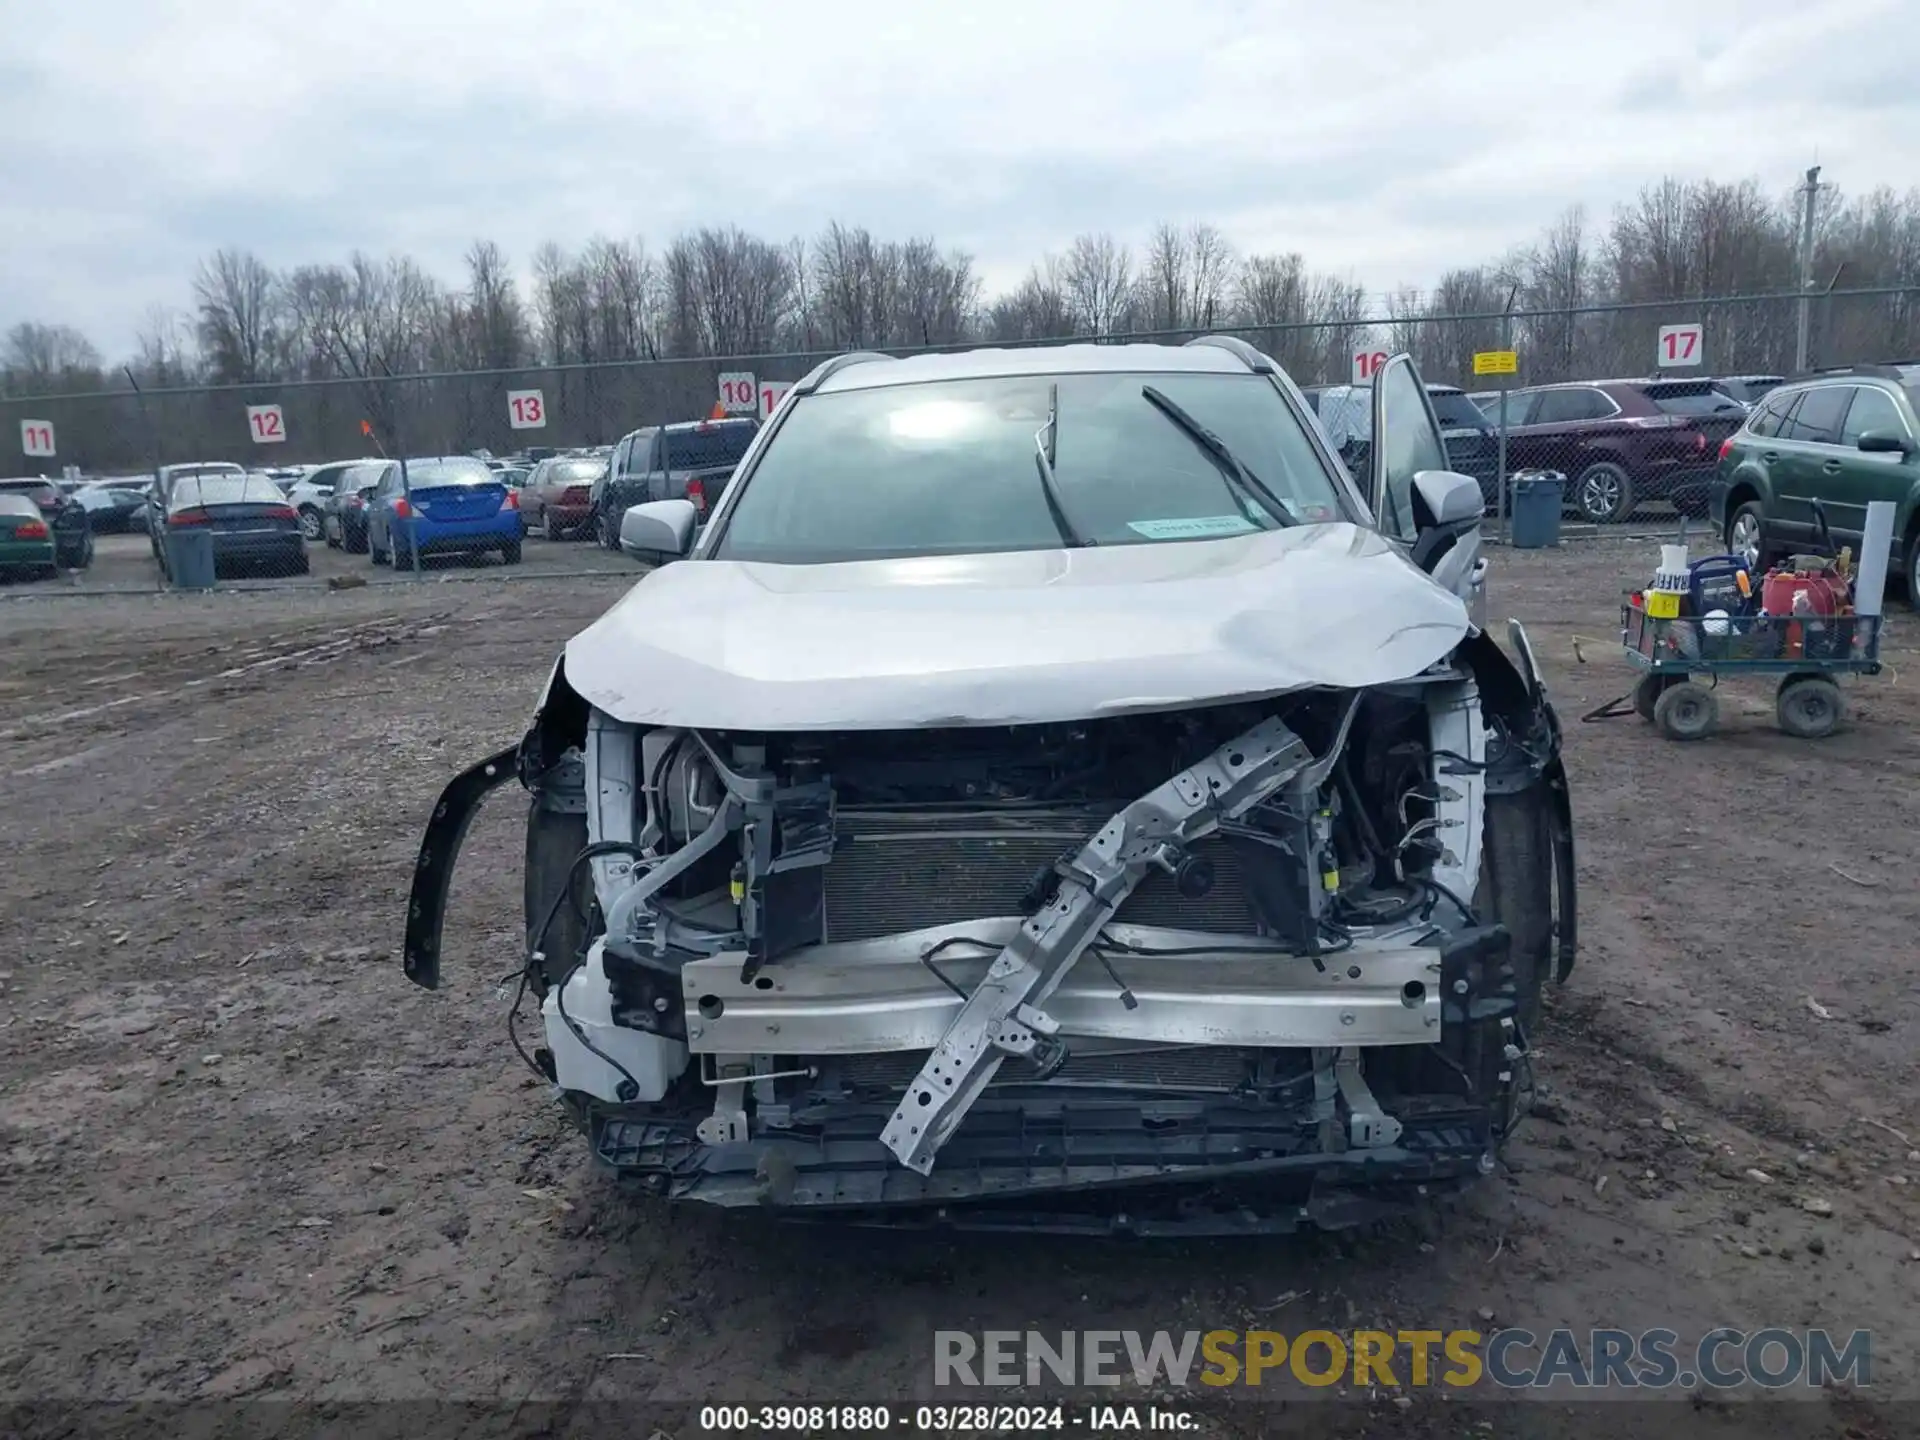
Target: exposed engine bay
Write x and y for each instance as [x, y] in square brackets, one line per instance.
[1227, 967]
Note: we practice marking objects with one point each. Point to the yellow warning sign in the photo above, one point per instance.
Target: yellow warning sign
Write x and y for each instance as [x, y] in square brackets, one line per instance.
[1496, 362]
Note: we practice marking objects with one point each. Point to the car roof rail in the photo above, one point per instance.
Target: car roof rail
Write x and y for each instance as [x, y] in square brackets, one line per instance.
[1876, 372]
[827, 369]
[1239, 349]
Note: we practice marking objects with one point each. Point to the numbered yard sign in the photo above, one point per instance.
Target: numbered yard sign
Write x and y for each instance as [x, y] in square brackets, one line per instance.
[1367, 364]
[772, 392]
[1679, 345]
[36, 437]
[526, 409]
[266, 424]
[737, 392]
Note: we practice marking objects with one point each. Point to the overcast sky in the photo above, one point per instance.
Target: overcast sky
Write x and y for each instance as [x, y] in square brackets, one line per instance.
[1387, 141]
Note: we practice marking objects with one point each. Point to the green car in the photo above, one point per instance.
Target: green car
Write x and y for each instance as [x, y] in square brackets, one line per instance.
[26, 541]
[1842, 438]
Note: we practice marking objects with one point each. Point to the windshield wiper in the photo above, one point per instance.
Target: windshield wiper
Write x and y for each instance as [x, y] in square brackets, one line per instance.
[1043, 452]
[1242, 483]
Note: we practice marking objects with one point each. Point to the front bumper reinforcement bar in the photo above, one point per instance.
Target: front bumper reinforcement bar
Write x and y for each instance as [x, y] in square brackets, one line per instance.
[1003, 1015]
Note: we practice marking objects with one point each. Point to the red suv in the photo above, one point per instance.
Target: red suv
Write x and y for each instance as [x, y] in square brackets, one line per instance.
[1620, 442]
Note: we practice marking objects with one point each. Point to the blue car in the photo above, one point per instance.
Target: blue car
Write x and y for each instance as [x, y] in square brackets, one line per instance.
[449, 504]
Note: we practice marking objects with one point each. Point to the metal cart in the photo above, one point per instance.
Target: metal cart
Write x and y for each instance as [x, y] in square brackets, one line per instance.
[1682, 660]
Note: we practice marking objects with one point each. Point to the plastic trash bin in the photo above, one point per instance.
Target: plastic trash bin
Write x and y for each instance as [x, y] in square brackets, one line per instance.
[190, 558]
[1535, 510]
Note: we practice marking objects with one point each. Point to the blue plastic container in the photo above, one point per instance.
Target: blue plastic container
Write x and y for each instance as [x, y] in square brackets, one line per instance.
[190, 558]
[1535, 510]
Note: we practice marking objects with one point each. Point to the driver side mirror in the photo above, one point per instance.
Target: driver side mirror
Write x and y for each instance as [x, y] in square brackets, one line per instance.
[1444, 498]
[658, 531]
[1884, 442]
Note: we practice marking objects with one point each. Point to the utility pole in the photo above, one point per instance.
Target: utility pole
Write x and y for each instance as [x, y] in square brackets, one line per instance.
[1810, 195]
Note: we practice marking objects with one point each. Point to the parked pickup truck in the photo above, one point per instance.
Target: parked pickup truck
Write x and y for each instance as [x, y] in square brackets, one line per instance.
[687, 461]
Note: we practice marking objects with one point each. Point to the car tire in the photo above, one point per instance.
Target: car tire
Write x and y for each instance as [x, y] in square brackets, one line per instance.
[510, 553]
[377, 555]
[311, 527]
[1647, 692]
[608, 539]
[1913, 571]
[1603, 493]
[1746, 536]
[1687, 711]
[1809, 707]
[302, 566]
[353, 545]
[548, 530]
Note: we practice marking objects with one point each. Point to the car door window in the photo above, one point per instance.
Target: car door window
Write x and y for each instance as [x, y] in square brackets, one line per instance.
[1520, 407]
[1562, 407]
[1770, 412]
[1816, 419]
[1872, 409]
[1406, 440]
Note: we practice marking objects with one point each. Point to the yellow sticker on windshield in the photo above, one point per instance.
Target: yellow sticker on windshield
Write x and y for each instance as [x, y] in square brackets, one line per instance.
[1192, 527]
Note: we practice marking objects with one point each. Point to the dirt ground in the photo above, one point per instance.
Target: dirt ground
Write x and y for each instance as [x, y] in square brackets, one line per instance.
[126, 563]
[241, 1157]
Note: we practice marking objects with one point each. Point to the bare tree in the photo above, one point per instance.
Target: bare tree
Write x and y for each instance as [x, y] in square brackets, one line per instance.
[1166, 284]
[1038, 308]
[494, 318]
[39, 359]
[1099, 283]
[728, 293]
[238, 307]
[1210, 277]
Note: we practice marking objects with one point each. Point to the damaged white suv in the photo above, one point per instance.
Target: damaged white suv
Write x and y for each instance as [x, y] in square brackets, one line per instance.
[1047, 793]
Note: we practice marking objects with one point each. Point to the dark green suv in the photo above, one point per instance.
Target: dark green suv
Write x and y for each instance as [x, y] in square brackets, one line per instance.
[1843, 438]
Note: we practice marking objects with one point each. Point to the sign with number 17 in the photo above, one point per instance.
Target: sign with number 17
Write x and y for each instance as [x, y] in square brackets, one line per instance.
[1679, 345]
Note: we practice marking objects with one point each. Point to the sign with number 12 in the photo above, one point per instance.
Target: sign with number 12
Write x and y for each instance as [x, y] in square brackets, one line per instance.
[266, 424]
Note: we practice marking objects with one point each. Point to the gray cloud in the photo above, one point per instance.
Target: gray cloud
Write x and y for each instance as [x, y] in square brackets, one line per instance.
[1384, 142]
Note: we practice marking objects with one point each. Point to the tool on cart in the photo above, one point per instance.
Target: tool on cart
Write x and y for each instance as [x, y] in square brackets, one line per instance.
[1803, 622]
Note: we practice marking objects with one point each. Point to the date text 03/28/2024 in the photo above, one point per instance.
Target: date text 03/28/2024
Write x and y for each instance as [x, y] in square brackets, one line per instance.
[938, 1419]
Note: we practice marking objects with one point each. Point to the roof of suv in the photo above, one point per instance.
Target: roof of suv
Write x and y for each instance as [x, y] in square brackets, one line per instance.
[1038, 360]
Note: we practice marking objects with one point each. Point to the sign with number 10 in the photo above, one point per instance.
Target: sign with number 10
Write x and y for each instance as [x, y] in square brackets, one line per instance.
[738, 392]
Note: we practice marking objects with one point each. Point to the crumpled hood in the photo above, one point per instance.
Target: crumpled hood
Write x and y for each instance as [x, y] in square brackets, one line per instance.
[1019, 638]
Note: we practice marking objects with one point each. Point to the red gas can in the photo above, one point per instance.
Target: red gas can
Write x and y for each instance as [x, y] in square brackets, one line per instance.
[1825, 593]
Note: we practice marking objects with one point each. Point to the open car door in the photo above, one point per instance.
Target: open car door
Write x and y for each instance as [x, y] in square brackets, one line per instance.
[1416, 499]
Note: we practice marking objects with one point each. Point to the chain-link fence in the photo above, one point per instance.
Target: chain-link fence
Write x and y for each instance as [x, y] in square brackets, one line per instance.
[200, 485]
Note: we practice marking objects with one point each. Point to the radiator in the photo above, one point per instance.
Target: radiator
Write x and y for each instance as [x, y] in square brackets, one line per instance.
[904, 870]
